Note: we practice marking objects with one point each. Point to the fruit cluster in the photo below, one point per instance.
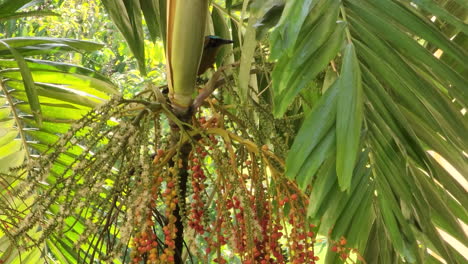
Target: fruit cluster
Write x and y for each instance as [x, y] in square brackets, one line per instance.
[340, 248]
[302, 237]
[146, 246]
[219, 239]
[169, 230]
[249, 209]
[145, 241]
[198, 186]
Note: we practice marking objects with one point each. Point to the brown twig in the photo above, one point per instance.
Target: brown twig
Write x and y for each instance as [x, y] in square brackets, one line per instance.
[211, 86]
[215, 82]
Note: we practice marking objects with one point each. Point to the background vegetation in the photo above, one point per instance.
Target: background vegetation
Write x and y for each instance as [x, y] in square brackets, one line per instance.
[328, 123]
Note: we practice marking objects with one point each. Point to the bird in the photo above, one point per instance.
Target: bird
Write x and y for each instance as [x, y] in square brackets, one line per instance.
[210, 50]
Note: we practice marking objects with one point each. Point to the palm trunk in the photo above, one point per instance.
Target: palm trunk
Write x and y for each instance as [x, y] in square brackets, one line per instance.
[183, 175]
[186, 22]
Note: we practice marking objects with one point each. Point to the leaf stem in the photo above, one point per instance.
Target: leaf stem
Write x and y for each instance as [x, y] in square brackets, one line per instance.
[348, 33]
[17, 119]
[220, 8]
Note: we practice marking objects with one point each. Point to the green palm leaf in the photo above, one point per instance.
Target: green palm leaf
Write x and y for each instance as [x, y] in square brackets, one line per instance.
[381, 86]
[64, 93]
[412, 104]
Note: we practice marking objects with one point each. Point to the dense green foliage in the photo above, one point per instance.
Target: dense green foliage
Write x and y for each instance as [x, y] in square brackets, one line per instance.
[361, 103]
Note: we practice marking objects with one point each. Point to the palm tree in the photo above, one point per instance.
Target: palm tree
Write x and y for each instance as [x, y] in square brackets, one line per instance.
[348, 115]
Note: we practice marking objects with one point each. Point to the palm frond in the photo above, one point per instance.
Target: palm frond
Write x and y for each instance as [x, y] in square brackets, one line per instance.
[412, 106]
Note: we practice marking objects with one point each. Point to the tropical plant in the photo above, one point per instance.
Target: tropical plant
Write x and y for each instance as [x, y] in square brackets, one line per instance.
[327, 117]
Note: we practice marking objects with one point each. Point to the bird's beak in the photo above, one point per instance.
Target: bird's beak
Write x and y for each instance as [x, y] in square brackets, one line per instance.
[226, 41]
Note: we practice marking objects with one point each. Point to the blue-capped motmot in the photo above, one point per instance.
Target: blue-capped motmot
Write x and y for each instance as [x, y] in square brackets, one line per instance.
[210, 50]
